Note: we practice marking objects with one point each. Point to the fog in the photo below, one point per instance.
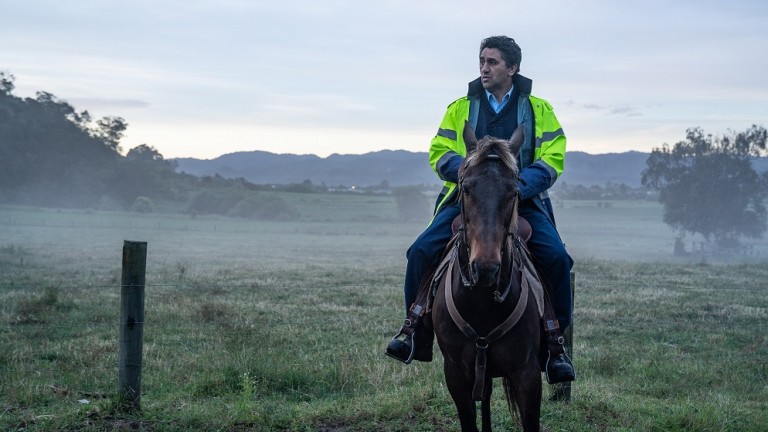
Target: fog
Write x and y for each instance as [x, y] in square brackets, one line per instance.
[91, 241]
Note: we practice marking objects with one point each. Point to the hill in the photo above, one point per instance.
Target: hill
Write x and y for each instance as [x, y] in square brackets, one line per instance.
[397, 168]
[46, 157]
[53, 156]
[619, 168]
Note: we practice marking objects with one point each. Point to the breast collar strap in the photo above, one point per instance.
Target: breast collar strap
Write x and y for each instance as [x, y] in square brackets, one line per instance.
[482, 342]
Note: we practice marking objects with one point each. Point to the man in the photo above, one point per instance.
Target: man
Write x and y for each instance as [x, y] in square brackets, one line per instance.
[496, 104]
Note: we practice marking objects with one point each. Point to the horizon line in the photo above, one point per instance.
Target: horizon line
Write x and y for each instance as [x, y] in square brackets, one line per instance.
[372, 152]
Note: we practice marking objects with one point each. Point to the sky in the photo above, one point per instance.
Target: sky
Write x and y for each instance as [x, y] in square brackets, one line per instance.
[202, 78]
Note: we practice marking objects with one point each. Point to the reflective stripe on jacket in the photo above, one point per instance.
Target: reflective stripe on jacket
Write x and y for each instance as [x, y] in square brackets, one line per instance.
[544, 138]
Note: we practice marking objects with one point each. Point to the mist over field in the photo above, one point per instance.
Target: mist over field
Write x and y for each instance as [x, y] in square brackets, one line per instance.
[361, 231]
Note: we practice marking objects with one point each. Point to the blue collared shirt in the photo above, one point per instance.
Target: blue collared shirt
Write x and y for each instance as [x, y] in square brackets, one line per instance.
[498, 106]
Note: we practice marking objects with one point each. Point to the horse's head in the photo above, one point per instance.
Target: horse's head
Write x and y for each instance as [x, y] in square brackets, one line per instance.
[488, 193]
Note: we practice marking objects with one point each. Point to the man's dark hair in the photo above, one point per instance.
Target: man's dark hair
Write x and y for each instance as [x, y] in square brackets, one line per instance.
[510, 50]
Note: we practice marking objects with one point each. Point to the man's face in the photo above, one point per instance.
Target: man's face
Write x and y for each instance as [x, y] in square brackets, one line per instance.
[494, 72]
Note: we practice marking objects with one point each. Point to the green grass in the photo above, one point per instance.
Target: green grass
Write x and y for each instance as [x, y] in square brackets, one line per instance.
[281, 326]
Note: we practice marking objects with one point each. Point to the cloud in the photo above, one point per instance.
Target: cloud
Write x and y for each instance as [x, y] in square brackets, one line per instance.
[389, 66]
[108, 104]
[625, 111]
[617, 110]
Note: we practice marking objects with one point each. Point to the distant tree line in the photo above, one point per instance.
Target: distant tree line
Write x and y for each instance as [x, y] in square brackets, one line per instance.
[51, 155]
[608, 191]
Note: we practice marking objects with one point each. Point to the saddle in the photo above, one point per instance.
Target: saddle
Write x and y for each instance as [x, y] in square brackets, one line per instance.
[524, 229]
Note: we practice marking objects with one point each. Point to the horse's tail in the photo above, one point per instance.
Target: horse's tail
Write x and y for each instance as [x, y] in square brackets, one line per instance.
[509, 395]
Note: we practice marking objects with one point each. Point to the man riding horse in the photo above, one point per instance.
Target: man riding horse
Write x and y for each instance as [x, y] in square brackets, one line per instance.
[496, 104]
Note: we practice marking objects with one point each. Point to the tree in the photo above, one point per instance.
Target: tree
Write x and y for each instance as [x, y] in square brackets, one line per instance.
[7, 83]
[110, 131]
[82, 120]
[55, 105]
[707, 184]
[149, 154]
[412, 204]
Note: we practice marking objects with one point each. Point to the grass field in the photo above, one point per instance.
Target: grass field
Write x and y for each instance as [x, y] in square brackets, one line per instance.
[281, 326]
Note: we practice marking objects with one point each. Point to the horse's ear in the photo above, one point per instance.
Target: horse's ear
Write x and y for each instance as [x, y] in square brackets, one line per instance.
[470, 141]
[518, 136]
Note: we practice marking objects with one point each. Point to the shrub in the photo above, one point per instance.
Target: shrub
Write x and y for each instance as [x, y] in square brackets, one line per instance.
[265, 207]
[274, 208]
[215, 201]
[247, 207]
[412, 204]
[143, 205]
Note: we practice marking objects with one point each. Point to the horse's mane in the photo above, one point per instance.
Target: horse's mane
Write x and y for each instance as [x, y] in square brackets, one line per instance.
[489, 146]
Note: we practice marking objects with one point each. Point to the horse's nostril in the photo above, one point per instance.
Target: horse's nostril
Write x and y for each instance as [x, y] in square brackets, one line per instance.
[493, 272]
[484, 273]
[474, 272]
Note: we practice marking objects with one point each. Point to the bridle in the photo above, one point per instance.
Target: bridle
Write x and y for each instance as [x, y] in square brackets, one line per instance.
[512, 242]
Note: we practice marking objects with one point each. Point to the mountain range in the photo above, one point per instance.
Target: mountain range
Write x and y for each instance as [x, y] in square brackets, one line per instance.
[398, 168]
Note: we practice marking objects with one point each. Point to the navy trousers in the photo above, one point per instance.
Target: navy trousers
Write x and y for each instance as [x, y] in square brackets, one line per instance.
[545, 245]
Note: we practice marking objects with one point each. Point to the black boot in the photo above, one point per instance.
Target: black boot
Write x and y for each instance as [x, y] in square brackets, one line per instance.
[410, 344]
[408, 347]
[558, 367]
[401, 347]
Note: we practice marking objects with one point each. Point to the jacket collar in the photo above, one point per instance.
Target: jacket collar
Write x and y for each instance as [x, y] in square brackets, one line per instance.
[523, 84]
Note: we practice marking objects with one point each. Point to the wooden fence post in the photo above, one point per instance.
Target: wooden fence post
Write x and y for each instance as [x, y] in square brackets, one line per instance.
[132, 322]
[562, 391]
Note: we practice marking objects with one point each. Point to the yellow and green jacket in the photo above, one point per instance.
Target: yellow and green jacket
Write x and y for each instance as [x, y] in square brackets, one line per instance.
[541, 158]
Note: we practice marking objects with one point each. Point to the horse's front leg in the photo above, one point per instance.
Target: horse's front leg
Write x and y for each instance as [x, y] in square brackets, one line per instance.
[461, 391]
[527, 390]
[485, 406]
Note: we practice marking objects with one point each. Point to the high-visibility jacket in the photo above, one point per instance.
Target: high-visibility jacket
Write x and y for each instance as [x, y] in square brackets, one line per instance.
[541, 157]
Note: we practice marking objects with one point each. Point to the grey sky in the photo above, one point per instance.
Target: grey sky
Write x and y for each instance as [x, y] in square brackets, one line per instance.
[204, 78]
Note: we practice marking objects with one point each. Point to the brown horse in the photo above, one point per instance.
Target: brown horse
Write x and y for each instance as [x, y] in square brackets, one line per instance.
[487, 326]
